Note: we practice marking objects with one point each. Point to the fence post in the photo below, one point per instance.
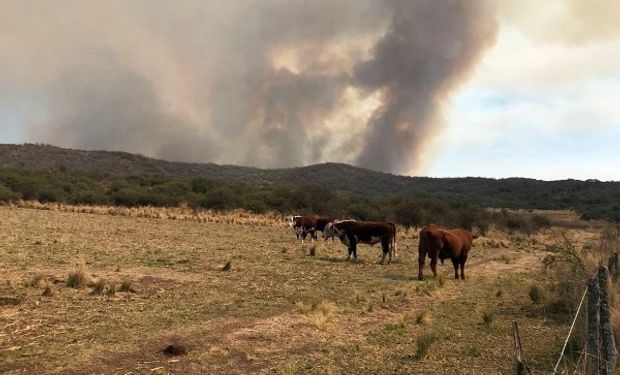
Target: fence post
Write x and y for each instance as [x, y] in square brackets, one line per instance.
[592, 329]
[608, 344]
[521, 367]
[612, 265]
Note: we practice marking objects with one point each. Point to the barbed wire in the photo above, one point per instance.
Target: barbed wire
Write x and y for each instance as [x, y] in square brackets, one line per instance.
[555, 369]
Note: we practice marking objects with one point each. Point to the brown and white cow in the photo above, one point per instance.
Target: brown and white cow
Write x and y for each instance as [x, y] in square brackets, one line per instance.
[441, 243]
[352, 232]
[304, 225]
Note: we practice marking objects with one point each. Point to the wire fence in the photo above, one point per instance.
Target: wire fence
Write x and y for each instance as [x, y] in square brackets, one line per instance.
[599, 356]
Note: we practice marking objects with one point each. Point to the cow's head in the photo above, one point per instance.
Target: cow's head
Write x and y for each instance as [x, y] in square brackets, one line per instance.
[290, 221]
[329, 231]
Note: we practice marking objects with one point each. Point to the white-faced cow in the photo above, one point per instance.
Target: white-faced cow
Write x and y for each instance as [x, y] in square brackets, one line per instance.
[352, 232]
[304, 225]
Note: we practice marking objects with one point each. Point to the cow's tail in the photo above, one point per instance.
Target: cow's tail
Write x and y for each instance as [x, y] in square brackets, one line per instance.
[393, 244]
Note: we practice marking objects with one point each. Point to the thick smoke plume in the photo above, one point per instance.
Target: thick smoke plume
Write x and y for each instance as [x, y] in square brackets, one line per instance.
[271, 83]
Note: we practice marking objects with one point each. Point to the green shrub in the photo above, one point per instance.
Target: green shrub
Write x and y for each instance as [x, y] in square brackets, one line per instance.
[7, 195]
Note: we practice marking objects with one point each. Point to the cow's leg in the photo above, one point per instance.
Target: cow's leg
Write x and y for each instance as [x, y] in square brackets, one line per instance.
[455, 263]
[421, 259]
[463, 269]
[349, 246]
[434, 265]
[306, 234]
[354, 248]
[386, 250]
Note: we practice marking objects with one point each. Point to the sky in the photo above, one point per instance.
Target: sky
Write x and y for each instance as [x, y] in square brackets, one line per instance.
[425, 88]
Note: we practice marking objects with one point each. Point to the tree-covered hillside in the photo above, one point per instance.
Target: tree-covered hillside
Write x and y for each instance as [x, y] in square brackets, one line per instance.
[592, 199]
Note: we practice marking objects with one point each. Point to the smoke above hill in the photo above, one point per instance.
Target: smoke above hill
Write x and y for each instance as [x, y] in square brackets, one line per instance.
[270, 83]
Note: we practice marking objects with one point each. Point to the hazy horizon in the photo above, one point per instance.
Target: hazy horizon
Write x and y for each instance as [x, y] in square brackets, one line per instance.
[420, 88]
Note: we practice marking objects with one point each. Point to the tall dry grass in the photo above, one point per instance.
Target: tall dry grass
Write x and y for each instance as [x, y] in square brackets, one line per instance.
[238, 216]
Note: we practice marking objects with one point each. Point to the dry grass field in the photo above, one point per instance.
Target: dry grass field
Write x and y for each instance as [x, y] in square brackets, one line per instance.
[241, 296]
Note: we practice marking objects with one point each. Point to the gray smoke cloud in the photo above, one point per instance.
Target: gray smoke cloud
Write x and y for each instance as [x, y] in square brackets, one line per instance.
[270, 83]
[428, 49]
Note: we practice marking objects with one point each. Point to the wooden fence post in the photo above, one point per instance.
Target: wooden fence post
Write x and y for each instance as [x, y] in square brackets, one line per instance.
[592, 328]
[612, 265]
[608, 344]
[521, 367]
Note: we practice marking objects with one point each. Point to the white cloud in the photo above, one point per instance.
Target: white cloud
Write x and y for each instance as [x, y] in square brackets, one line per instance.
[537, 107]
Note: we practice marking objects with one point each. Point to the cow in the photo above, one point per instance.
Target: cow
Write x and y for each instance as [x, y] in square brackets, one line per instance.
[442, 243]
[304, 225]
[352, 232]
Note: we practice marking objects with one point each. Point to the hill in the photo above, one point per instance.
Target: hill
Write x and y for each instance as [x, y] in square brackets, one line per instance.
[591, 198]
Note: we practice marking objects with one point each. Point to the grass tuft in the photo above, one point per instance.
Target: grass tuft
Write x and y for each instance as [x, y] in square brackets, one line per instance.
[474, 351]
[98, 288]
[536, 294]
[125, 286]
[423, 343]
[47, 292]
[318, 312]
[441, 281]
[320, 321]
[425, 289]
[360, 296]
[35, 280]
[422, 317]
[227, 265]
[488, 316]
[78, 278]
[370, 308]
[112, 289]
[174, 350]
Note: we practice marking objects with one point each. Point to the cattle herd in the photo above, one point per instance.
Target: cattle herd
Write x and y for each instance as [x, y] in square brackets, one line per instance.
[435, 242]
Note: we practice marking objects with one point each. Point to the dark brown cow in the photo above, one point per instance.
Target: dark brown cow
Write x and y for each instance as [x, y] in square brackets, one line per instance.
[442, 243]
[304, 225]
[352, 232]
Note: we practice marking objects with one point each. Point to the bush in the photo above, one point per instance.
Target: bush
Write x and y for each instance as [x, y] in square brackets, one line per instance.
[222, 198]
[567, 275]
[539, 222]
[7, 195]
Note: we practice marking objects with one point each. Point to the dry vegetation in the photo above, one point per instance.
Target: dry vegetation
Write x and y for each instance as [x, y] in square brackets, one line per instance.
[91, 293]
